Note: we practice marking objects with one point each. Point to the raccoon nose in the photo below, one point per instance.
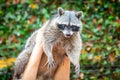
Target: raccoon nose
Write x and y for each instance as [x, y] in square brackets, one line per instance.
[67, 34]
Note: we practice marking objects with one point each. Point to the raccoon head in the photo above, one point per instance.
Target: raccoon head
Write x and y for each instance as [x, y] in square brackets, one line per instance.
[69, 22]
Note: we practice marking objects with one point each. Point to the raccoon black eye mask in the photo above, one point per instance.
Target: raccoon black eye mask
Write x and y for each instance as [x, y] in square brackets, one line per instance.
[73, 27]
[61, 26]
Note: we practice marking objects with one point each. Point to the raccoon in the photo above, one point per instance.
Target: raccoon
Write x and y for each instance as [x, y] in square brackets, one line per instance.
[63, 29]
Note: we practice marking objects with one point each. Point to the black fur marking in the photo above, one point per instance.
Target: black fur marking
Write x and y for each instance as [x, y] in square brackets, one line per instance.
[69, 20]
[61, 26]
[75, 28]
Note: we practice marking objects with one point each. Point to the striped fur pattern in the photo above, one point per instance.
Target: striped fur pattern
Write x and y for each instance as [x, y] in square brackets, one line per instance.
[63, 30]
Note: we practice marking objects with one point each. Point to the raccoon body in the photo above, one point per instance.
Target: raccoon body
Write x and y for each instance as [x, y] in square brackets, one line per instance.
[62, 30]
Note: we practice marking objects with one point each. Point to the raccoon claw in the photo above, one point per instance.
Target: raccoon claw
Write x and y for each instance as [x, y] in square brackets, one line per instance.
[51, 64]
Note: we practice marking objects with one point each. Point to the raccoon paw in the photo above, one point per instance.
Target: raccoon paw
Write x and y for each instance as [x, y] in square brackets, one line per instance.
[51, 64]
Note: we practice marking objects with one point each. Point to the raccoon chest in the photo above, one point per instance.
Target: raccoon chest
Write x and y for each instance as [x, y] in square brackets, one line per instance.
[66, 45]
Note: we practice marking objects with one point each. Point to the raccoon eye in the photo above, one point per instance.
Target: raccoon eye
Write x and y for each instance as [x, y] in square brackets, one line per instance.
[75, 28]
[61, 26]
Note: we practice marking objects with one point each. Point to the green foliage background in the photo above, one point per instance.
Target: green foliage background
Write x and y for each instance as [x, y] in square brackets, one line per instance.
[100, 58]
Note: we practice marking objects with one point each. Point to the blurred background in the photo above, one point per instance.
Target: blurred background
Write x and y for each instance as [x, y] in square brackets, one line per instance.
[100, 57]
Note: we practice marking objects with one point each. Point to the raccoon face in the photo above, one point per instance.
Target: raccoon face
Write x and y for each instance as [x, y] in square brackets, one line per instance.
[69, 22]
[67, 29]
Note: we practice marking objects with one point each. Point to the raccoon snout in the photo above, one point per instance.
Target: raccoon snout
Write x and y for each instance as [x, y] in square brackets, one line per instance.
[67, 35]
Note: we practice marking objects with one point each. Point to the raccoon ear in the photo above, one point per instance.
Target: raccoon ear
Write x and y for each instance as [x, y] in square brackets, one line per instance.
[79, 14]
[60, 11]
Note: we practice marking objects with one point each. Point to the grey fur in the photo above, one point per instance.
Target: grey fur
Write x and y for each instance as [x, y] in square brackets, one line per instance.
[52, 35]
[24, 56]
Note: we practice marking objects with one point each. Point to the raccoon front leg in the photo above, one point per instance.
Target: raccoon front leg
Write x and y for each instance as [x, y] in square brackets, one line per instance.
[48, 51]
[74, 58]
